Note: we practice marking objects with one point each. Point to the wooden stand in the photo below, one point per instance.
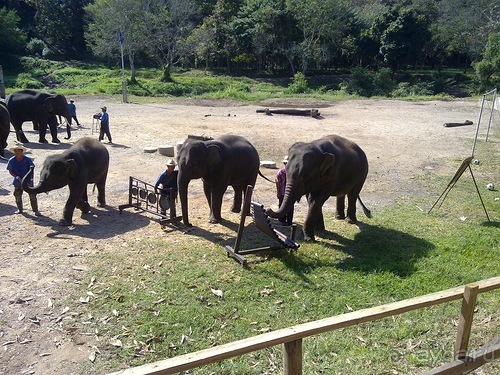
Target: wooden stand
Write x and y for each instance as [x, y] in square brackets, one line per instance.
[263, 223]
[143, 196]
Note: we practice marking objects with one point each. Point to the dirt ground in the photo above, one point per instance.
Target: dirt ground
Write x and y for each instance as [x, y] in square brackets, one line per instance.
[38, 259]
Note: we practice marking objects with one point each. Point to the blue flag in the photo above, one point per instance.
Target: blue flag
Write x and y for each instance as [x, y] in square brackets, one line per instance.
[120, 37]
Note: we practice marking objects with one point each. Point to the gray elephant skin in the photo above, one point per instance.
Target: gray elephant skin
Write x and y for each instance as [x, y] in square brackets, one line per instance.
[228, 160]
[4, 127]
[86, 162]
[39, 107]
[330, 166]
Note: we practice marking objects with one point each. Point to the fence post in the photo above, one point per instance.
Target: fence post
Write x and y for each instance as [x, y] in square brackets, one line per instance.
[465, 323]
[292, 357]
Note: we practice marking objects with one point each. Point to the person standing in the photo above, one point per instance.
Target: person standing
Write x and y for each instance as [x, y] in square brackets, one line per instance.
[18, 166]
[168, 181]
[104, 117]
[280, 189]
[72, 112]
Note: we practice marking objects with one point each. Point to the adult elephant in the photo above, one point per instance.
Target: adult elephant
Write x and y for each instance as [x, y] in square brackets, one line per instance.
[86, 162]
[228, 160]
[330, 166]
[4, 127]
[39, 107]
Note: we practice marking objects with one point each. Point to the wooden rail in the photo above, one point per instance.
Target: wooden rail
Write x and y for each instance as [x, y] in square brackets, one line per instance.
[291, 337]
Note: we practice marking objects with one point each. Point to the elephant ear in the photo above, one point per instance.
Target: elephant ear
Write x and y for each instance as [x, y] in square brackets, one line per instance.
[49, 104]
[72, 168]
[214, 157]
[327, 162]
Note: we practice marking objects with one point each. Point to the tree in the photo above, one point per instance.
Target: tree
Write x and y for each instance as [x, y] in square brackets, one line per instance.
[167, 24]
[59, 24]
[403, 41]
[463, 27]
[12, 39]
[489, 66]
[107, 19]
[266, 32]
[321, 22]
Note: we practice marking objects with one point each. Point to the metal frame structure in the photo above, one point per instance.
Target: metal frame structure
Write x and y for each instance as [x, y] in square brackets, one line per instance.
[144, 196]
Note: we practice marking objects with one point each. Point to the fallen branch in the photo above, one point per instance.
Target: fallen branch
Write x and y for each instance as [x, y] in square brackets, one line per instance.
[294, 112]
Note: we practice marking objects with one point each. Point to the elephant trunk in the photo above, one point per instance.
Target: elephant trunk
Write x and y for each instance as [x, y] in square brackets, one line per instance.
[183, 182]
[26, 184]
[292, 195]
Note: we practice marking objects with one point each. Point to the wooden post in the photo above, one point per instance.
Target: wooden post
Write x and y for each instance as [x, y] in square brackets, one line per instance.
[2, 85]
[465, 323]
[292, 357]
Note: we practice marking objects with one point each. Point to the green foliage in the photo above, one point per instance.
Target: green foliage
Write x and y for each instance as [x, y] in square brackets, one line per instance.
[36, 47]
[299, 84]
[407, 89]
[488, 69]
[27, 81]
[12, 39]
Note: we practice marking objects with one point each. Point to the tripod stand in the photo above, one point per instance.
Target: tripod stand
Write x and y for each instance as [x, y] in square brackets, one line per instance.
[465, 164]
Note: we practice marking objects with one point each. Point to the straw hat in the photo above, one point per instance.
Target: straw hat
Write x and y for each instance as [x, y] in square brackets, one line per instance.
[104, 108]
[170, 162]
[71, 100]
[18, 147]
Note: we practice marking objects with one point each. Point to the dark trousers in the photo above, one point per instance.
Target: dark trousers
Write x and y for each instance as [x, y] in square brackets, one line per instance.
[76, 120]
[18, 193]
[104, 131]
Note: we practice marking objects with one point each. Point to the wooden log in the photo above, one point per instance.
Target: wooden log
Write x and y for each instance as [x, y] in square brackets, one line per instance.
[290, 111]
[453, 124]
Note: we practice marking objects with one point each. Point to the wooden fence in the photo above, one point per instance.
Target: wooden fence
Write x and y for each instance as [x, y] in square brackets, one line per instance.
[291, 337]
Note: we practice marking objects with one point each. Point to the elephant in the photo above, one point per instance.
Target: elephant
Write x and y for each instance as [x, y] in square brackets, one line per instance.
[86, 162]
[4, 127]
[228, 160]
[330, 166]
[39, 107]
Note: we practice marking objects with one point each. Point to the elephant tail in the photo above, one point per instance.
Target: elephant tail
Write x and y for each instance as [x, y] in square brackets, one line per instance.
[264, 177]
[367, 212]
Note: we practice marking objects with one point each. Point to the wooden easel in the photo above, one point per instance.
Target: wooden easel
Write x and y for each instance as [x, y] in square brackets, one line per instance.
[263, 223]
[465, 164]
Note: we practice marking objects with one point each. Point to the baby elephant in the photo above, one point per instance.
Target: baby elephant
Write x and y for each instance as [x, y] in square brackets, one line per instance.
[86, 162]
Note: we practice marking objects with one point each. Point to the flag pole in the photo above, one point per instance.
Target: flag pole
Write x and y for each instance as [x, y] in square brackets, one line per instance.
[124, 82]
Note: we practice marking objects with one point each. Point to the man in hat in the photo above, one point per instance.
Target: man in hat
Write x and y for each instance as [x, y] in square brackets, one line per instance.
[72, 112]
[18, 166]
[280, 190]
[168, 181]
[104, 117]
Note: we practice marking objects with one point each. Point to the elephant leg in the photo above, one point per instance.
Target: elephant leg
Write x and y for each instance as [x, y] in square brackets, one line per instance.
[340, 209]
[207, 189]
[310, 222]
[83, 203]
[53, 125]
[320, 223]
[351, 208]
[215, 211]
[101, 194]
[42, 130]
[19, 132]
[69, 208]
[238, 191]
